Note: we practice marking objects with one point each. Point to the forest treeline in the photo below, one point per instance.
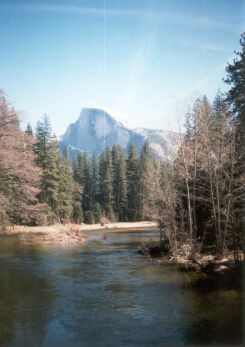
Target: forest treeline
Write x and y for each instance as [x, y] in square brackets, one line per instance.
[39, 184]
[198, 198]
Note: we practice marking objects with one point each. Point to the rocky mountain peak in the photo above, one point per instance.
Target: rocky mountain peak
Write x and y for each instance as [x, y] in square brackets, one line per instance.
[96, 129]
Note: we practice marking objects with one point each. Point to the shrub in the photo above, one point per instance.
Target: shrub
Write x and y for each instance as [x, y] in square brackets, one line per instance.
[97, 213]
[77, 213]
[111, 214]
[51, 217]
[89, 217]
[104, 220]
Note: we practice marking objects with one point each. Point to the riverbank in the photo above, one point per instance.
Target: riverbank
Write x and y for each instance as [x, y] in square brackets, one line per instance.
[224, 270]
[120, 226]
[75, 233]
[57, 233]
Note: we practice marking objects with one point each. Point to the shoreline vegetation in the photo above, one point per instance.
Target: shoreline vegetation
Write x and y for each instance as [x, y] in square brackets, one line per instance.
[226, 270]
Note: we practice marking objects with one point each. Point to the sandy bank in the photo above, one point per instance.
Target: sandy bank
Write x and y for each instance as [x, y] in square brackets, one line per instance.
[57, 233]
[74, 233]
[119, 226]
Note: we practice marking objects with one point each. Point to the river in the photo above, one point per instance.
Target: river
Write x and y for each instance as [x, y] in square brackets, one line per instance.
[106, 294]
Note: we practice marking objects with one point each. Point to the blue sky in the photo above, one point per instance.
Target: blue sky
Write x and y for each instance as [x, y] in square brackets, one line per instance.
[140, 59]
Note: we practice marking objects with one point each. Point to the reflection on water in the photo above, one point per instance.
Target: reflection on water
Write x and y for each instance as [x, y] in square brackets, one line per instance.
[105, 294]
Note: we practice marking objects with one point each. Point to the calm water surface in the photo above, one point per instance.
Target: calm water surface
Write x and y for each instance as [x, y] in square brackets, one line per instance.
[105, 294]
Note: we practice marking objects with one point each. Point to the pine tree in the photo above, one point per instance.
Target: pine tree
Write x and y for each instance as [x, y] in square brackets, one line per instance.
[48, 158]
[43, 139]
[132, 176]
[115, 154]
[9, 134]
[97, 213]
[78, 169]
[66, 187]
[94, 182]
[29, 129]
[86, 183]
[82, 176]
[89, 217]
[146, 183]
[77, 212]
[78, 189]
[236, 94]
[51, 179]
[119, 182]
[106, 183]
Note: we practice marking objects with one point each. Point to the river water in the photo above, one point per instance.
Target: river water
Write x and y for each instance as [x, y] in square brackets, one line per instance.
[106, 294]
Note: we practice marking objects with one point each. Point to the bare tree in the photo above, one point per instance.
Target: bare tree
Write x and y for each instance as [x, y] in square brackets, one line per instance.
[19, 175]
